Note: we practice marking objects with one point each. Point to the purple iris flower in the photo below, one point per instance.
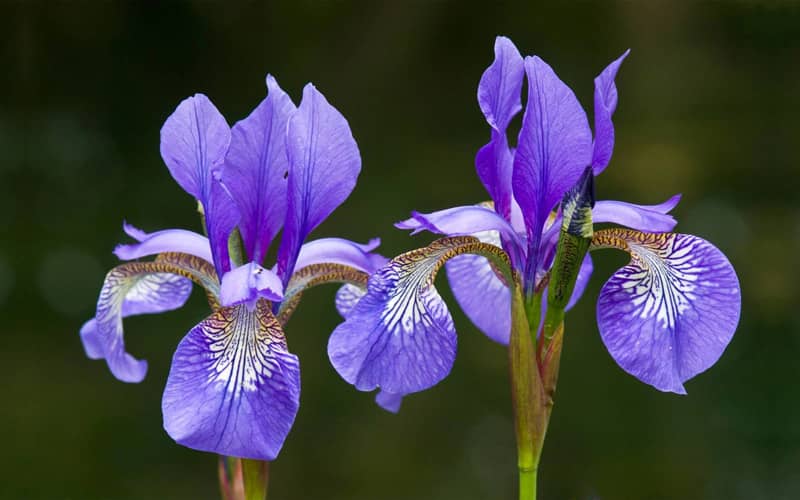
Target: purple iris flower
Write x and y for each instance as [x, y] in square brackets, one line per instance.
[234, 387]
[665, 317]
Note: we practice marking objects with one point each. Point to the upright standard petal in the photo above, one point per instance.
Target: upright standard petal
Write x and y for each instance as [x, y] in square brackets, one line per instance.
[499, 96]
[669, 314]
[324, 164]
[482, 295]
[194, 141]
[647, 218]
[605, 103]
[555, 145]
[234, 388]
[130, 289]
[255, 170]
[400, 336]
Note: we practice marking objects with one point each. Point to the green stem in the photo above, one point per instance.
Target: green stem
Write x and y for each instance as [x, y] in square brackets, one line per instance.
[256, 479]
[527, 391]
[527, 484]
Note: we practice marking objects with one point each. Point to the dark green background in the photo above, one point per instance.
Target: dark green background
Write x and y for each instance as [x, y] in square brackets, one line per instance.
[708, 107]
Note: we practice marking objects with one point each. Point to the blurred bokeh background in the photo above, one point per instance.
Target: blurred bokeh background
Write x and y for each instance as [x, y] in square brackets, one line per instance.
[708, 107]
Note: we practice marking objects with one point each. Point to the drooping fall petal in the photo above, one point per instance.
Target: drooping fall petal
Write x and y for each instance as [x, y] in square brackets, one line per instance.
[669, 314]
[234, 388]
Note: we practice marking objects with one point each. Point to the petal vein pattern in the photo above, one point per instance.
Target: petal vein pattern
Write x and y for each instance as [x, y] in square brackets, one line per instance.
[400, 335]
[233, 388]
[138, 288]
[669, 314]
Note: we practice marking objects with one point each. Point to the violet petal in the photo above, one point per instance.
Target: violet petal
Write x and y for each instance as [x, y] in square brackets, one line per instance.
[324, 165]
[167, 240]
[255, 170]
[605, 103]
[499, 97]
[400, 336]
[648, 218]
[669, 314]
[555, 146]
[248, 283]
[126, 292]
[194, 141]
[234, 388]
[482, 296]
[341, 251]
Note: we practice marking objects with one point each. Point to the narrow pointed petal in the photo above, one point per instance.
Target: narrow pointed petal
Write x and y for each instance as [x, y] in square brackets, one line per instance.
[500, 88]
[400, 336]
[347, 297]
[133, 231]
[234, 388]
[194, 141]
[324, 165]
[605, 103]
[669, 314]
[464, 221]
[483, 297]
[248, 283]
[499, 96]
[341, 251]
[388, 401]
[648, 218]
[167, 240]
[255, 170]
[555, 145]
[128, 290]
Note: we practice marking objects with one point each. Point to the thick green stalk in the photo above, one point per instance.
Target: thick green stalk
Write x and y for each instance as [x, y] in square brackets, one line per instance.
[256, 479]
[530, 412]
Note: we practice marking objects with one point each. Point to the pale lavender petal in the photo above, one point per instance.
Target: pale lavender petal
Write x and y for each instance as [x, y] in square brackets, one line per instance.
[91, 344]
[128, 290]
[194, 141]
[234, 388]
[669, 314]
[341, 251]
[248, 283]
[499, 96]
[324, 165]
[605, 103]
[256, 167]
[388, 401]
[347, 297]
[482, 296]
[649, 218]
[168, 240]
[584, 275]
[464, 221]
[133, 231]
[555, 146]
[400, 336]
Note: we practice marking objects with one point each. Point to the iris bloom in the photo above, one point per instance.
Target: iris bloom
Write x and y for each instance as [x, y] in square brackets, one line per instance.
[234, 387]
[664, 317]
